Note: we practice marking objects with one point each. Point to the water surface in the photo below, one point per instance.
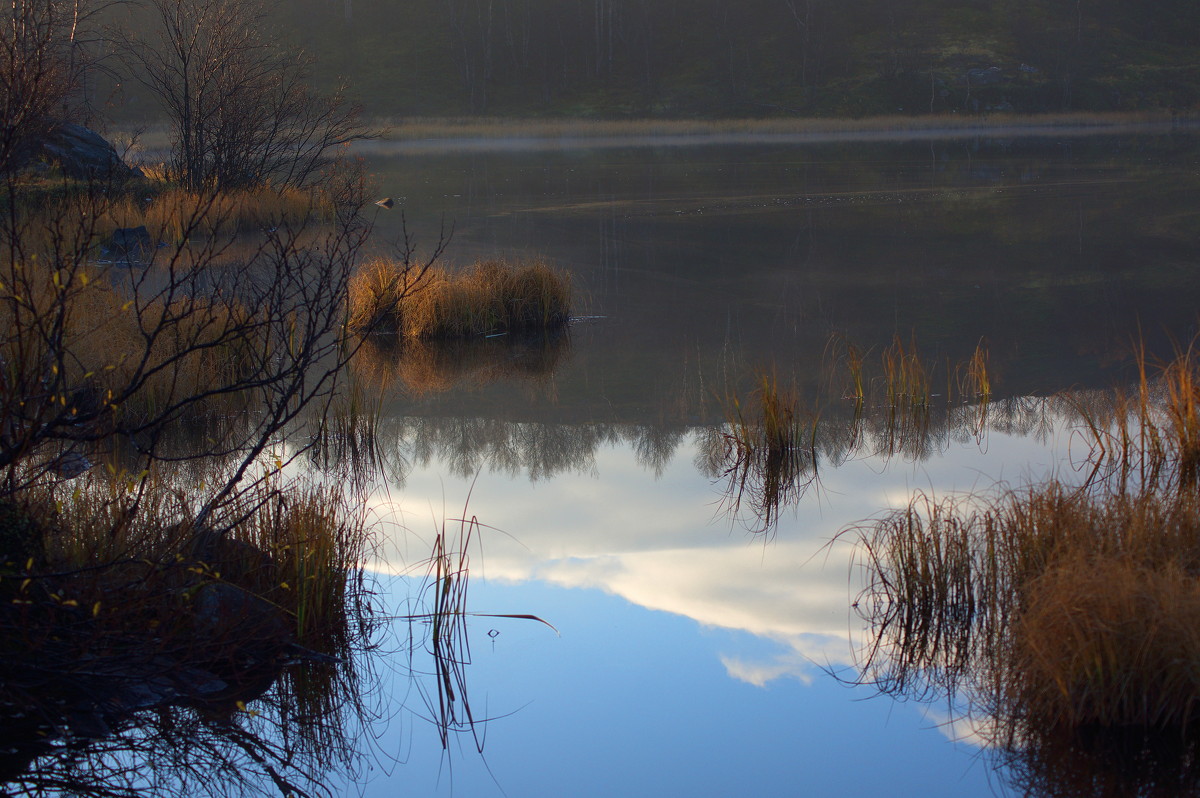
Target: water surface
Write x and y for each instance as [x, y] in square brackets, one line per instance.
[694, 657]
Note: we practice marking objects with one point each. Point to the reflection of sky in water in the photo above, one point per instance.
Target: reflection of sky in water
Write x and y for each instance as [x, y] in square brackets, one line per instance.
[691, 655]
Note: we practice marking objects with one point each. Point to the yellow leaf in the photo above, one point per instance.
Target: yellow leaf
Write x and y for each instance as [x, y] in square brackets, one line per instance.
[96, 609]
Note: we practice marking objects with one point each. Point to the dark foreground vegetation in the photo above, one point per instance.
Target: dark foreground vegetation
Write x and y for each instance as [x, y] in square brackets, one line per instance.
[181, 604]
[668, 58]
[178, 607]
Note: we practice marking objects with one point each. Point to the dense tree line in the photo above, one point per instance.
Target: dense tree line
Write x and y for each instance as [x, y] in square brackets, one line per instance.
[739, 57]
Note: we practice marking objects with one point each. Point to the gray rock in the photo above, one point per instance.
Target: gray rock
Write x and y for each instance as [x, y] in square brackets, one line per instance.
[83, 154]
[130, 246]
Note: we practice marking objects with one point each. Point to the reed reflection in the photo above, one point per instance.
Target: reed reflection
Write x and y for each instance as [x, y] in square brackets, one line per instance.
[774, 442]
[423, 366]
[1061, 618]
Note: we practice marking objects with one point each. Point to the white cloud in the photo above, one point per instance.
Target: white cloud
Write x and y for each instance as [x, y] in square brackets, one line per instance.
[656, 544]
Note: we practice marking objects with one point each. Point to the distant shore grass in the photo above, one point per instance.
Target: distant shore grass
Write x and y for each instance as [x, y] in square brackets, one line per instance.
[422, 128]
[171, 214]
[491, 298]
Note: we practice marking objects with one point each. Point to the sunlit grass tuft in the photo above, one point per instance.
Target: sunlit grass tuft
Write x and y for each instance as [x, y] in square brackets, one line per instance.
[1045, 606]
[490, 298]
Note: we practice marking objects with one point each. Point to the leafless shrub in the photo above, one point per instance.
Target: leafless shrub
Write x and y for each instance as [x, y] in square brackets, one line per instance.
[241, 111]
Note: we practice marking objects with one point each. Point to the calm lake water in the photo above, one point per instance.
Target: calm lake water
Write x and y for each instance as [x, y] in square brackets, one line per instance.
[691, 655]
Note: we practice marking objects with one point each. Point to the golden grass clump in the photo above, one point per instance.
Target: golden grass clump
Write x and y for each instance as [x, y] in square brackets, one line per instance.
[770, 451]
[1062, 612]
[905, 375]
[490, 298]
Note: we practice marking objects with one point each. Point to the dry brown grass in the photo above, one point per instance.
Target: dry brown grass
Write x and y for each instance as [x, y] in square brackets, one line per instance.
[770, 451]
[317, 540]
[299, 545]
[174, 215]
[1068, 615]
[163, 351]
[1049, 608]
[377, 293]
[490, 298]
[1149, 436]
[1108, 642]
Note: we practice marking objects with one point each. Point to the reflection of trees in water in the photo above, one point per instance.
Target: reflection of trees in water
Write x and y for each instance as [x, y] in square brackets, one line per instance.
[653, 446]
[533, 449]
[542, 450]
[197, 750]
[762, 486]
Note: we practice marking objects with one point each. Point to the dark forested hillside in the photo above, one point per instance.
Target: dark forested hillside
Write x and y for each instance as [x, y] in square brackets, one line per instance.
[756, 57]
